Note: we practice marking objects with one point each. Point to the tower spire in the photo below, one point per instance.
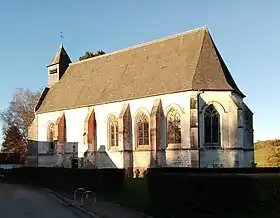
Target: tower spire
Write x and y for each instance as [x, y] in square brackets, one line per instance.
[59, 64]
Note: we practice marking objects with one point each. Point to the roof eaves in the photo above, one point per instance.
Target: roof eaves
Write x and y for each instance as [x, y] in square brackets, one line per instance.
[41, 99]
[109, 102]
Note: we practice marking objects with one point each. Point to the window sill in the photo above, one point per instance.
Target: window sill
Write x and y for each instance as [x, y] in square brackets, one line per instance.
[211, 146]
[113, 149]
[174, 146]
[50, 152]
[143, 148]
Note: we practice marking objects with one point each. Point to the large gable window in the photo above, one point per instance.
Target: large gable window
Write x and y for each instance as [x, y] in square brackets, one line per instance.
[142, 128]
[113, 131]
[211, 126]
[173, 127]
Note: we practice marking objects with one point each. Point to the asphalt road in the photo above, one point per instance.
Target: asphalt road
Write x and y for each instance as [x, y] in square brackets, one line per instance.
[26, 202]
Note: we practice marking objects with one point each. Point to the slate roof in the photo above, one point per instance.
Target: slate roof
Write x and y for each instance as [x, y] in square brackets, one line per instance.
[183, 62]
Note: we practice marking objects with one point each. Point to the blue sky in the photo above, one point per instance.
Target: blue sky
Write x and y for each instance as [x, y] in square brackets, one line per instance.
[247, 34]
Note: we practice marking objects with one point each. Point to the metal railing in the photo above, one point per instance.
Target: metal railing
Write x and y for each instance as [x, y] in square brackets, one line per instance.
[85, 196]
[75, 192]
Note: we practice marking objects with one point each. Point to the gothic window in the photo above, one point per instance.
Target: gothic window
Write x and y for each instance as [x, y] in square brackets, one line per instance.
[211, 126]
[173, 127]
[142, 128]
[51, 136]
[113, 132]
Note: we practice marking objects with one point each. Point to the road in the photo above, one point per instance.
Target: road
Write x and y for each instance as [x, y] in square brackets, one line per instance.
[26, 202]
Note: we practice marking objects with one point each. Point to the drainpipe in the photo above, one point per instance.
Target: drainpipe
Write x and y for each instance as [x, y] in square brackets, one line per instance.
[198, 129]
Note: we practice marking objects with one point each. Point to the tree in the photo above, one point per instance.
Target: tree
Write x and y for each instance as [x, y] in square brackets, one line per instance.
[19, 114]
[273, 158]
[91, 55]
[13, 141]
[267, 153]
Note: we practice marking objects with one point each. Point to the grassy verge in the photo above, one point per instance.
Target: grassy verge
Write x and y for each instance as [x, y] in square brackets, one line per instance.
[261, 156]
[135, 195]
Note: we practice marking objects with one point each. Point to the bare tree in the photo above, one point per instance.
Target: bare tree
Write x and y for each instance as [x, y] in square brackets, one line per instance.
[20, 112]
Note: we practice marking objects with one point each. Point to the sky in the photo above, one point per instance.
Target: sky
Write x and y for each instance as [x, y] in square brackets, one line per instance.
[247, 34]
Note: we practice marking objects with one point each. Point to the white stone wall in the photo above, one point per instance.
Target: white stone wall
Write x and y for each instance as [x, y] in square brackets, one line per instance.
[47, 160]
[249, 158]
[75, 119]
[74, 126]
[231, 136]
[53, 78]
[178, 158]
[52, 160]
[75, 123]
[221, 158]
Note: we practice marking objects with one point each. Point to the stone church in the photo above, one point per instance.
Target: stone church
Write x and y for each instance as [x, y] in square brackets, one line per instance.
[170, 102]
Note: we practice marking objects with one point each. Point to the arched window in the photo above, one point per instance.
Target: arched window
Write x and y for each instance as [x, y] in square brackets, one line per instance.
[211, 126]
[142, 128]
[113, 132]
[51, 136]
[173, 127]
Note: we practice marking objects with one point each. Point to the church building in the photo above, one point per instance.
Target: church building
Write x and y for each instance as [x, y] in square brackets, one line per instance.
[170, 102]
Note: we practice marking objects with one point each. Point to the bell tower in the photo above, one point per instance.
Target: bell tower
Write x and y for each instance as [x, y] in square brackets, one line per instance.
[58, 66]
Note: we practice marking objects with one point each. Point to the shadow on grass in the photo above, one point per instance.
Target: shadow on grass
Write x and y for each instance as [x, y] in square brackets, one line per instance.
[135, 195]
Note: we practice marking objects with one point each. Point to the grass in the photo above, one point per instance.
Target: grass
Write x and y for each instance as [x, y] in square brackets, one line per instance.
[261, 155]
[265, 149]
[135, 195]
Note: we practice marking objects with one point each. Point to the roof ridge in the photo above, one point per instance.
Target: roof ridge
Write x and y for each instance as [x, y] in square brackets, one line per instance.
[229, 78]
[142, 44]
[200, 51]
[229, 81]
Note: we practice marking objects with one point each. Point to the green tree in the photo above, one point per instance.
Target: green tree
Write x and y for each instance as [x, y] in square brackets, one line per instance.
[13, 141]
[91, 55]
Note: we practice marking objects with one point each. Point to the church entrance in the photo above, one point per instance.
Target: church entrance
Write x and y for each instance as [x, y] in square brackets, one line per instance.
[74, 163]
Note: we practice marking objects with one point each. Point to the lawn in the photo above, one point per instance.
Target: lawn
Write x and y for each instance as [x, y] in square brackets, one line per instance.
[135, 195]
[261, 155]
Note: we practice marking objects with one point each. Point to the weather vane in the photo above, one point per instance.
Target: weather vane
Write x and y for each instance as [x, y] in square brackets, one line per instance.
[61, 35]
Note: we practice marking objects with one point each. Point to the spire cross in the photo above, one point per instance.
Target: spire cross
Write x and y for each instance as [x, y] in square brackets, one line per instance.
[61, 35]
